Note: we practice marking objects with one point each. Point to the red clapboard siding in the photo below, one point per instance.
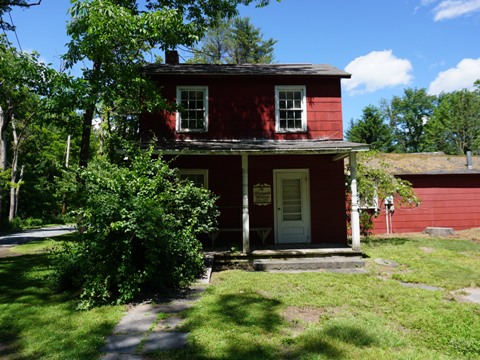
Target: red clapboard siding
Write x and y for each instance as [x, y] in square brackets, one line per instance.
[244, 107]
[451, 200]
[327, 186]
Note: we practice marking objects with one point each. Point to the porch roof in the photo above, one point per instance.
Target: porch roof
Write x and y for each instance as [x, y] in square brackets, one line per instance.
[260, 147]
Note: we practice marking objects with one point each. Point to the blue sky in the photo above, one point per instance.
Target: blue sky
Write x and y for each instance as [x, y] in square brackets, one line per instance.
[387, 45]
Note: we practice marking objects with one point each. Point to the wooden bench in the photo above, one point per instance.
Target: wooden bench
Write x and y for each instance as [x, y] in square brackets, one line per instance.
[262, 232]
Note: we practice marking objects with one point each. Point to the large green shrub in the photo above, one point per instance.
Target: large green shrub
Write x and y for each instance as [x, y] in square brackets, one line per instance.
[140, 227]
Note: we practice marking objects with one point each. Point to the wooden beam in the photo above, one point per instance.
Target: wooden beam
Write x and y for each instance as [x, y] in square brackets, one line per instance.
[340, 157]
[245, 210]
[355, 216]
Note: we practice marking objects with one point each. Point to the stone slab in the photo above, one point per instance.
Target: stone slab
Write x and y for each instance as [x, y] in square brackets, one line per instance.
[137, 320]
[439, 231]
[420, 286]
[114, 356]
[473, 295]
[169, 323]
[173, 307]
[334, 262]
[469, 294]
[161, 341]
[386, 262]
[122, 344]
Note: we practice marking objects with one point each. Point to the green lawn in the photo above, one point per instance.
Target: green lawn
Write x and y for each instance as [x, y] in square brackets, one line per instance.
[253, 315]
[35, 323]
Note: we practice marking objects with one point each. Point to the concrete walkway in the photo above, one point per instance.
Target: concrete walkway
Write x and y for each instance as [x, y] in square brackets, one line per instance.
[10, 240]
[153, 327]
[149, 327]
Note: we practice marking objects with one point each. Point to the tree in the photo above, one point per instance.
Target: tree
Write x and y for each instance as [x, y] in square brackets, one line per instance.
[25, 83]
[454, 127]
[371, 129]
[141, 225]
[116, 48]
[408, 115]
[6, 6]
[235, 41]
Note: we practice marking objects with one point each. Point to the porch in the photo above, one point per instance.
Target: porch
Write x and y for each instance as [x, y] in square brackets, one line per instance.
[297, 196]
[289, 257]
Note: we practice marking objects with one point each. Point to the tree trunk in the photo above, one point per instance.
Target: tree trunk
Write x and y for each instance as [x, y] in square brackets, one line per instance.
[17, 190]
[3, 151]
[88, 118]
[3, 140]
[86, 132]
[13, 179]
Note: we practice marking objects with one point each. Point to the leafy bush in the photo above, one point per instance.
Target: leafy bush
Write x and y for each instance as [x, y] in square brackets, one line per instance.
[375, 181]
[140, 227]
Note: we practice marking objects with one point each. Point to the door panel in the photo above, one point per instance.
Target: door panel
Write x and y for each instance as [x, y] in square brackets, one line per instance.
[292, 206]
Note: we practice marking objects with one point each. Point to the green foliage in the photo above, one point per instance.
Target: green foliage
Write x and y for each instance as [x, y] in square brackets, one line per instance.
[408, 115]
[234, 41]
[375, 182]
[371, 129]
[140, 226]
[31, 97]
[6, 6]
[115, 37]
[454, 127]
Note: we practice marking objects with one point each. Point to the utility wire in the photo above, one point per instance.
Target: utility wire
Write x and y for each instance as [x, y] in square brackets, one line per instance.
[15, 31]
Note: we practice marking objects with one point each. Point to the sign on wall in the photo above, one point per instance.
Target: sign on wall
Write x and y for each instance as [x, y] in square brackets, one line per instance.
[262, 194]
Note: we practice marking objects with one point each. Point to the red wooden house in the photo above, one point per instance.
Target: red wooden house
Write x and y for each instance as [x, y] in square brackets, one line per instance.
[267, 139]
[448, 188]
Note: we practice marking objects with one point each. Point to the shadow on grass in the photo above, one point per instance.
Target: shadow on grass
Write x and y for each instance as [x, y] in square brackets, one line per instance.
[248, 326]
[31, 313]
[20, 293]
[374, 241]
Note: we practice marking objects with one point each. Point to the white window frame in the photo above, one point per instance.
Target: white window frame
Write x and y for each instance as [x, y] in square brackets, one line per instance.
[180, 89]
[302, 108]
[186, 172]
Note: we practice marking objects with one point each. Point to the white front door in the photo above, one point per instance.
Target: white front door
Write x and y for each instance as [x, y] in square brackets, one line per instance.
[292, 206]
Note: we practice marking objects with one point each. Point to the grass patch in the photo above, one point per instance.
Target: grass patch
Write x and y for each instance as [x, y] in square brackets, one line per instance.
[253, 315]
[36, 323]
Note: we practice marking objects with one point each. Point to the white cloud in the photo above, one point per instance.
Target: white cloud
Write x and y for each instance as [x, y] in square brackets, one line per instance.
[459, 77]
[449, 9]
[377, 70]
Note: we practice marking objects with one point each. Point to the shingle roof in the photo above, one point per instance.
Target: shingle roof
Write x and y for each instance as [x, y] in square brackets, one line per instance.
[247, 69]
[233, 147]
[427, 164]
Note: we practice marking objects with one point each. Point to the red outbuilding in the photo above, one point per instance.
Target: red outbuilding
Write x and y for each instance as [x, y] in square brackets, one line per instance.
[448, 188]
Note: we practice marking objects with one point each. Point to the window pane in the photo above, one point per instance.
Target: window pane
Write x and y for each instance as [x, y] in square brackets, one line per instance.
[193, 101]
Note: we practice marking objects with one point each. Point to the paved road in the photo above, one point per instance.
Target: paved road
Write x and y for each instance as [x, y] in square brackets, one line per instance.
[29, 235]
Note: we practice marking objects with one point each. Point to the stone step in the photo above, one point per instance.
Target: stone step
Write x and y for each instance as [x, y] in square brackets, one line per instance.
[309, 264]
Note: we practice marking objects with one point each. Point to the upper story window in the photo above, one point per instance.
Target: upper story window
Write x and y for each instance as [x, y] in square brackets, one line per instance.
[192, 115]
[290, 109]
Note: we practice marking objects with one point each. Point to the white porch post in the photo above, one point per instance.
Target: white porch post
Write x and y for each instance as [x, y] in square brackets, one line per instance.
[245, 214]
[355, 217]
